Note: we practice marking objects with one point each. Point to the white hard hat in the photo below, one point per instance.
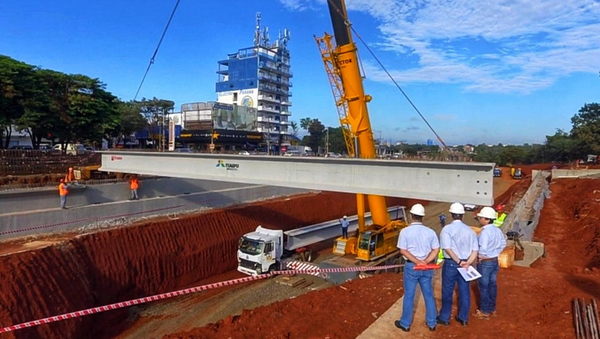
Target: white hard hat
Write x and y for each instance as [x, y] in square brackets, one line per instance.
[418, 209]
[457, 208]
[345, 217]
[487, 212]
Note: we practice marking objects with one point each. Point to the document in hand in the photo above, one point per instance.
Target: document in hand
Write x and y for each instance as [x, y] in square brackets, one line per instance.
[469, 273]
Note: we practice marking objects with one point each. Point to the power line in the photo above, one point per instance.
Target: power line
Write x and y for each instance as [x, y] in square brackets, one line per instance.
[156, 50]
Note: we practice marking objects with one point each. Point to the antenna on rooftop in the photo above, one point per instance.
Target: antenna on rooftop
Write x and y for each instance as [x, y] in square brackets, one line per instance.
[257, 31]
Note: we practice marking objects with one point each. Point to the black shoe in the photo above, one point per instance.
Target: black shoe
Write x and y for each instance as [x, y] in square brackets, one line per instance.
[441, 322]
[431, 328]
[405, 329]
[462, 322]
[64, 208]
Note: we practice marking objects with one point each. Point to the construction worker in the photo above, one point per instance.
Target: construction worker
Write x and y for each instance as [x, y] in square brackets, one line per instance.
[345, 223]
[419, 245]
[491, 243]
[70, 177]
[63, 191]
[134, 185]
[459, 244]
[500, 216]
[512, 172]
[442, 220]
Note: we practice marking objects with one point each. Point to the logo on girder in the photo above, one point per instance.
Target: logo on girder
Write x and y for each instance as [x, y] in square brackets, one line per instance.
[228, 166]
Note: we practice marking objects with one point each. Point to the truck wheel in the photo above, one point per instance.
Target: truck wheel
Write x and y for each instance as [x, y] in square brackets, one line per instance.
[271, 268]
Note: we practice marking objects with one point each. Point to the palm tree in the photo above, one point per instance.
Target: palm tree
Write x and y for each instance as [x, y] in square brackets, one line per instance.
[305, 123]
[294, 126]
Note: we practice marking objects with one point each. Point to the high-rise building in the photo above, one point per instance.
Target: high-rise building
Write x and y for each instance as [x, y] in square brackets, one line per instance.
[259, 77]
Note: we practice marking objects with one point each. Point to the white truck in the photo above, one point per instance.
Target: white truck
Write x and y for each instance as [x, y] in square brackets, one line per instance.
[264, 249]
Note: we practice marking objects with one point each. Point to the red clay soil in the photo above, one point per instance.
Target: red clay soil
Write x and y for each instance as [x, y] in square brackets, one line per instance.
[99, 268]
[337, 312]
[532, 302]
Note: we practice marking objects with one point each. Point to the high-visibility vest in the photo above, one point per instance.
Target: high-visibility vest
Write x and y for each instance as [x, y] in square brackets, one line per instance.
[499, 219]
[440, 258]
[133, 184]
[62, 190]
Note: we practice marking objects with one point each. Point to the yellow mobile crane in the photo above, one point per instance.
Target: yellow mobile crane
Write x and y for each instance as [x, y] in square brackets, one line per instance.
[342, 66]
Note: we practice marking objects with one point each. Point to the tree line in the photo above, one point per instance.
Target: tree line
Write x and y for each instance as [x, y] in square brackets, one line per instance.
[67, 108]
[582, 140]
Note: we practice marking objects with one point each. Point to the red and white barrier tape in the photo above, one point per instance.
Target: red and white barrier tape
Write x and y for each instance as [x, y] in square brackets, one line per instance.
[139, 301]
[87, 219]
[162, 296]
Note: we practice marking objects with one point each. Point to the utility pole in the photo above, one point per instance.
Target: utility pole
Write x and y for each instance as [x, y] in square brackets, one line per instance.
[327, 143]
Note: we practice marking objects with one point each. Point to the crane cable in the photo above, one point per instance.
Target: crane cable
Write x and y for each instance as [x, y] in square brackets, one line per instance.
[156, 50]
[349, 24]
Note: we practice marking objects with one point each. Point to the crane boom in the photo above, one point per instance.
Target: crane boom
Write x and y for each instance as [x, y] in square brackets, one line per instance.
[347, 67]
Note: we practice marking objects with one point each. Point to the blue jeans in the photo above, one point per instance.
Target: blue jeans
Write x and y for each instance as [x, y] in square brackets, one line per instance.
[488, 289]
[425, 280]
[63, 201]
[451, 277]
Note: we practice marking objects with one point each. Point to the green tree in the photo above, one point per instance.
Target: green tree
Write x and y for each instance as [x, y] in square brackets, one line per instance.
[130, 120]
[560, 147]
[154, 111]
[294, 126]
[305, 123]
[316, 131]
[586, 130]
[17, 82]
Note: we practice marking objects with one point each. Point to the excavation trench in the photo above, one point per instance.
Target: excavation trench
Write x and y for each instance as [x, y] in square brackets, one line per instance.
[119, 264]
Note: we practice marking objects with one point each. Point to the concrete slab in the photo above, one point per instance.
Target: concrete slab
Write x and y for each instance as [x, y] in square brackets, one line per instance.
[533, 251]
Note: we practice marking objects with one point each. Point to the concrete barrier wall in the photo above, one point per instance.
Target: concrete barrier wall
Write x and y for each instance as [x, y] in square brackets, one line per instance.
[45, 198]
[84, 215]
[525, 215]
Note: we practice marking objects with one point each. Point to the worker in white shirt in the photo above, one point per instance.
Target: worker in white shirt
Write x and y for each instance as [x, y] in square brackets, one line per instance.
[491, 243]
[419, 245]
[459, 244]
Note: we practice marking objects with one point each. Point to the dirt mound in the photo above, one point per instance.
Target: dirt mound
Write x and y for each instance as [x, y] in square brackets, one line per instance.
[129, 262]
[338, 312]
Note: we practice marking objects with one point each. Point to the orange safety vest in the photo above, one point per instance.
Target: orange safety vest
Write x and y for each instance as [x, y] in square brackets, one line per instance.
[133, 184]
[62, 190]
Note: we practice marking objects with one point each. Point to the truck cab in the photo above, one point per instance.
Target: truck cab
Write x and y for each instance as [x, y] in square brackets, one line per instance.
[260, 251]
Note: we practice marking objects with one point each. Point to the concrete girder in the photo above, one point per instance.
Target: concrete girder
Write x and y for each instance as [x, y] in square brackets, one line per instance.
[466, 182]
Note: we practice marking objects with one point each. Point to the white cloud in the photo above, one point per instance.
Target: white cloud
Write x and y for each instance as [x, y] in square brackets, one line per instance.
[487, 45]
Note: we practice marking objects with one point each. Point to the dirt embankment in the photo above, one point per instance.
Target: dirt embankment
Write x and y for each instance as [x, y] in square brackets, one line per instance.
[129, 262]
[332, 313]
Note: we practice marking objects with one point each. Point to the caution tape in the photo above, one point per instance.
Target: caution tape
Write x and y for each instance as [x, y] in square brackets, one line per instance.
[139, 301]
[95, 310]
[338, 269]
[87, 219]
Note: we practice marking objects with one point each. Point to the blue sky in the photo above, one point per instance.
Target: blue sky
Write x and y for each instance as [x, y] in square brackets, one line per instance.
[508, 71]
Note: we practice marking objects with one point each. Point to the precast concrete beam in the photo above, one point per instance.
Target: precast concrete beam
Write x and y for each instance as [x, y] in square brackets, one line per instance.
[308, 235]
[428, 180]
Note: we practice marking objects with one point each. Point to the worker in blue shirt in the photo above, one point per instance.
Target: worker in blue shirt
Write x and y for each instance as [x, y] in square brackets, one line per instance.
[419, 245]
[345, 223]
[459, 244]
[491, 243]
